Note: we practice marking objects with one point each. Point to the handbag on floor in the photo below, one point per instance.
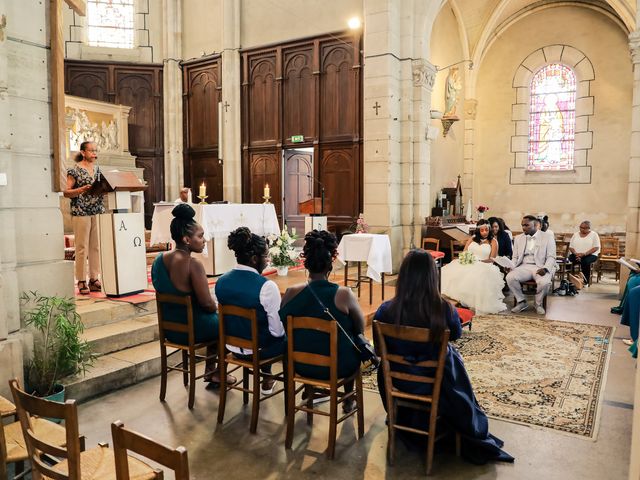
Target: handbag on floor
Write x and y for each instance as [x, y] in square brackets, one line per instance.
[577, 281]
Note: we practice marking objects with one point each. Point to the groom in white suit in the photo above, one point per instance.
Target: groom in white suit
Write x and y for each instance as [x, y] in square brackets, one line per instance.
[534, 257]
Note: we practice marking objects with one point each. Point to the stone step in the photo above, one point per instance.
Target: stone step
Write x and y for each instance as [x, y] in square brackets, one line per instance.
[115, 370]
[113, 337]
[104, 312]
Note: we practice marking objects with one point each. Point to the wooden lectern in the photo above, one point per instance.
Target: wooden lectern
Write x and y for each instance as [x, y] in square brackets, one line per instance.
[315, 218]
[121, 230]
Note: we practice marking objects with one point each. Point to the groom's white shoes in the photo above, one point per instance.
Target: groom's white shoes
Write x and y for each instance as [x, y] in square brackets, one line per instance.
[540, 310]
[520, 307]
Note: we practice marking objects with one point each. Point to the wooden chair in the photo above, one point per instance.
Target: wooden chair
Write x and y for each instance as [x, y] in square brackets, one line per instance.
[429, 243]
[12, 446]
[398, 398]
[562, 253]
[309, 384]
[456, 247]
[250, 367]
[608, 258]
[530, 287]
[74, 463]
[189, 356]
[124, 440]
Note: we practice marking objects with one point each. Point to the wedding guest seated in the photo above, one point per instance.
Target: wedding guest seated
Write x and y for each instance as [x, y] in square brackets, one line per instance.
[632, 282]
[311, 298]
[534, 257]
[505, 246]
[506, 228]
[544, 225]
[244, 286]
[476, 284]
[176, 273]
[584, 247]
[631, 318]
[418, 303]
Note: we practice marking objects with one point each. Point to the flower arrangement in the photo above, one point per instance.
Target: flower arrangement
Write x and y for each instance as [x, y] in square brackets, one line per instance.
[361, 225]
[281, 252]
[467, 258]
[482, 208]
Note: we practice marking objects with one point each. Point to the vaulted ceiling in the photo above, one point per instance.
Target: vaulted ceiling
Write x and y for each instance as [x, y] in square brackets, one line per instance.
[480, 21]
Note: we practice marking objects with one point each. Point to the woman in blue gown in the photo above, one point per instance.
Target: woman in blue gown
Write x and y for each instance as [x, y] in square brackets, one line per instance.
[418, 304]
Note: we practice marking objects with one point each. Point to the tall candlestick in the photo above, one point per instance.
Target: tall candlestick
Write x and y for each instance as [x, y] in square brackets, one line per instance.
[203, 190]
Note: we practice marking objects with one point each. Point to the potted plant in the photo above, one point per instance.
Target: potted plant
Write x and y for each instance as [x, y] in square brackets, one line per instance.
[58, 349]
[281, 252]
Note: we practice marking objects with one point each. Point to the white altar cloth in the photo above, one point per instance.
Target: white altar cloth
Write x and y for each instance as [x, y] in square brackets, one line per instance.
[218, 220]
[375, 249]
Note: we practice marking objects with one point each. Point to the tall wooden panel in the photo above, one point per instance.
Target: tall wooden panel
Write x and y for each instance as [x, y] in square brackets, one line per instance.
[298, 90]
[310, 87]
[140, 87]
[202, 85]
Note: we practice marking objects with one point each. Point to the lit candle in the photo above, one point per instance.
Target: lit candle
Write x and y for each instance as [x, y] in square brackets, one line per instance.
[266, 190]
[203, 190]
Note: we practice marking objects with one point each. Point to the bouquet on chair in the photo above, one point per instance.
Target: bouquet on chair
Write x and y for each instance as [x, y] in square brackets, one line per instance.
[467, 258]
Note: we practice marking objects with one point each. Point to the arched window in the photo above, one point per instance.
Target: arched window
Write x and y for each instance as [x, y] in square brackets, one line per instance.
[110, 23]
[552, 119]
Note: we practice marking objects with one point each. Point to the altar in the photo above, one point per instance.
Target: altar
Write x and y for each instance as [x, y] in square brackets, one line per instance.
[218, 220]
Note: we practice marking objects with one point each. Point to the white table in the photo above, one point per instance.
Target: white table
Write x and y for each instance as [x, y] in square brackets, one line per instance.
[373, 248]
[218, 220]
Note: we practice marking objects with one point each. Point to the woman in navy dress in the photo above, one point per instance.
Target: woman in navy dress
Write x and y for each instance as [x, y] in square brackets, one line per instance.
[418, 304]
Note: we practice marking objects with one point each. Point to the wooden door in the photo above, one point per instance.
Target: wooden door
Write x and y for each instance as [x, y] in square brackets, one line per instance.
[298, 185]
[202, 82]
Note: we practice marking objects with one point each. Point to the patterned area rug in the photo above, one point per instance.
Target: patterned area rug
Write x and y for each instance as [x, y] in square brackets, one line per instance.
[537, 372]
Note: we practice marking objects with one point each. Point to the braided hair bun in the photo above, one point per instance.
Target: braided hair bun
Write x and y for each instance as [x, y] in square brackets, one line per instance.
[320, 248]
[246, 244]
[183, 223]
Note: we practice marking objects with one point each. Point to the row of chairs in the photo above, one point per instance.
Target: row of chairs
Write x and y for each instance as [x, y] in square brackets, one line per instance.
[251, 370]
[58, 452]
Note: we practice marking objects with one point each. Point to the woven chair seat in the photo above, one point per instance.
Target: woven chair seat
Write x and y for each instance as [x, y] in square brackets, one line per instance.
[6, 407]
[99, 464]
[17, 449]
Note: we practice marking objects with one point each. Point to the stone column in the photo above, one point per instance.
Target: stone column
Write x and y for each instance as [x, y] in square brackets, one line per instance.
[172, 98]
[382, 94]
[470, 106]
[424, 74]
[231, 87]
[31, 238]
[633, 224]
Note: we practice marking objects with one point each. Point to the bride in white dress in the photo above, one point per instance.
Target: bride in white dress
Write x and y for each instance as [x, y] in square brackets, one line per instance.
[478, 285]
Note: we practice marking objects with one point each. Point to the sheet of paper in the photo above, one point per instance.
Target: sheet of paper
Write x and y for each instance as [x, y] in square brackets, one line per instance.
[630, 266]
[505, 262]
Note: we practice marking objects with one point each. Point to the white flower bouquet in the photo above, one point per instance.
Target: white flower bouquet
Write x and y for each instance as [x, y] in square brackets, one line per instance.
[281, 251]
[467, 258]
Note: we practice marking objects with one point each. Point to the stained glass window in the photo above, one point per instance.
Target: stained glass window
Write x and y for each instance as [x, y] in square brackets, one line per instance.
[110, 23]
[552, 119]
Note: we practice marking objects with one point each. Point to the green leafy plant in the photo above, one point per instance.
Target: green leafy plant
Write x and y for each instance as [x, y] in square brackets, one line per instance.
[58, 349]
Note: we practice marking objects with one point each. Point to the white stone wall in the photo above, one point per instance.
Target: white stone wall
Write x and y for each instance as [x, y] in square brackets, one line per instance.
[31, 239]
[604, 199]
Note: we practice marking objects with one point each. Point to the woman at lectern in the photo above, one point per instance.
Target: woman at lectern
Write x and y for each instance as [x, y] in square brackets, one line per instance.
[176, 273]
[84, 208]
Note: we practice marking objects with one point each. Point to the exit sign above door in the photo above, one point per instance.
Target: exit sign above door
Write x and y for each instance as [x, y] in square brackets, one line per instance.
[297, 138]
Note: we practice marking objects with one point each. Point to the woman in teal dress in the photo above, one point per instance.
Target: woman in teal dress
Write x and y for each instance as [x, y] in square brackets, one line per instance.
[176, 273]
[320, 250]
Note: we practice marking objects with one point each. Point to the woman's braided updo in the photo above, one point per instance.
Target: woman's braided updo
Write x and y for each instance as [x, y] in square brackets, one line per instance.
[320, 248]
[246, 244]
[183, 223]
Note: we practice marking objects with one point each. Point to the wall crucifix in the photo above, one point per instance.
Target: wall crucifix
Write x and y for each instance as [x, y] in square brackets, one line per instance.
[376, 107]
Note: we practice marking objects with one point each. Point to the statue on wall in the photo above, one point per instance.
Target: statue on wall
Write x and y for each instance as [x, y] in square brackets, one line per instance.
[451, 92]
[83, 129]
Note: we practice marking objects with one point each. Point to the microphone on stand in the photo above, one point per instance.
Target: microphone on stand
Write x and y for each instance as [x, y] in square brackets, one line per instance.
[321, 191]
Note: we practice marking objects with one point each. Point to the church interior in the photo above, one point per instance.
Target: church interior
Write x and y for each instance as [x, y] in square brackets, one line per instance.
[410, 120]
